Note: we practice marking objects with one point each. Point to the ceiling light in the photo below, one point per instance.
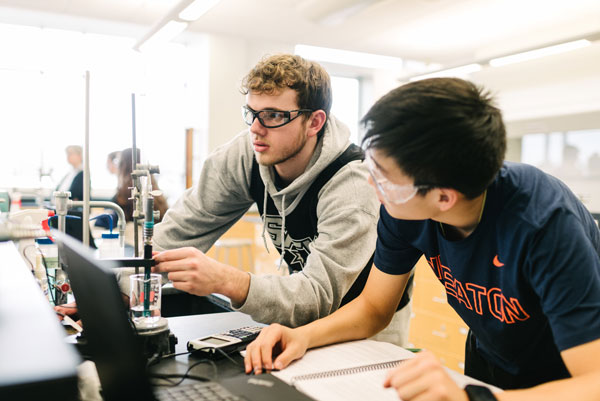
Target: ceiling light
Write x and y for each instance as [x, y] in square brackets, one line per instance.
[197, 9]
[346, 57]
[164, 34]
[332, 12]
[537, 53]
[175, 21]
[460, 72]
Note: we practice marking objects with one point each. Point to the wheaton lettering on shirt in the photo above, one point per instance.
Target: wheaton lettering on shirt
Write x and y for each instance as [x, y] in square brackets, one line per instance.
[526, 281]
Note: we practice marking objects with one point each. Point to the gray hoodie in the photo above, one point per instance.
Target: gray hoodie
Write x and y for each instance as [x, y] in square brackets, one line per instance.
[347, 213]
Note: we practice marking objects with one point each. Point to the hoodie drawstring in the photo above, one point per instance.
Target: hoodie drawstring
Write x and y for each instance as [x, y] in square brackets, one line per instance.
[282, 231]
[264, 217]
[282, 236]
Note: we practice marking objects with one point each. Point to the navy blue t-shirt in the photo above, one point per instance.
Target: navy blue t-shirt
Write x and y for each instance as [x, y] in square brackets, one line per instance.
[526, 281]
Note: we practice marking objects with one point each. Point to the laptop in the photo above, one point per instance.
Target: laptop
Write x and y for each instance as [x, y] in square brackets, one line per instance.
[118, 356]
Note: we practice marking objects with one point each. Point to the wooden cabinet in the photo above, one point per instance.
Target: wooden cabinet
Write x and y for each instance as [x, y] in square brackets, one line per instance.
[434, 325]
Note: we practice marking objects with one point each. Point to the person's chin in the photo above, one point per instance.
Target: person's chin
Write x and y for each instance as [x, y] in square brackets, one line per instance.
[263, 159]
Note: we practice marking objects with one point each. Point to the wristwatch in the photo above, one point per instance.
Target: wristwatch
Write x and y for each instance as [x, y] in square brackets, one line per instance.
[479, 393]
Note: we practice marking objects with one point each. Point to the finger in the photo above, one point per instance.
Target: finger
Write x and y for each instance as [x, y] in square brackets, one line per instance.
[255, 358]
[69, 306]
[289, 354]
[411, 371]
[66, 311]
[173, 254]
[248, 358]
[174, 265]
[262, 349]
[405, 372]
[266, 349]
[416, 387]
[183, 286]
[180, 276]
[402, 369]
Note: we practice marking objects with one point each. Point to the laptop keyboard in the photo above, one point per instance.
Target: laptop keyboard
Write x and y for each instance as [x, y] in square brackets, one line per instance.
[211, 391]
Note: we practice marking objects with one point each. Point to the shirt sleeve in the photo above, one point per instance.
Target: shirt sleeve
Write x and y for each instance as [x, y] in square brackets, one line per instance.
[393, 254]
[564, 270]
[206, 211]
[219, 199]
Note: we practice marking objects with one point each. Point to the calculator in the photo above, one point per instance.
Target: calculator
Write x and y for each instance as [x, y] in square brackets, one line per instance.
[215, 345]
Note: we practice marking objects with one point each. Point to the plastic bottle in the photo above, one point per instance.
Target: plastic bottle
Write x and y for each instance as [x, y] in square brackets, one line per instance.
[109, 247]
[15, 201]
[49, 251]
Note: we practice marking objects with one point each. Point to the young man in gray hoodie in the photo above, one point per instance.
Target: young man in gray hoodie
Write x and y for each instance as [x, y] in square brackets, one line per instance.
[296, 162]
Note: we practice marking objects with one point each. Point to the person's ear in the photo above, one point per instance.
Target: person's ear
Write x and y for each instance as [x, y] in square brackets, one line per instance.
[446, 198]
[316, 121]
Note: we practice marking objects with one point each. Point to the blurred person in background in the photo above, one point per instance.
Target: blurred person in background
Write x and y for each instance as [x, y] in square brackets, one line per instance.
[73, 180]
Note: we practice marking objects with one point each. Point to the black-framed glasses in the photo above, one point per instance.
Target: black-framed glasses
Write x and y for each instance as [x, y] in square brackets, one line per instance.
[271, 118]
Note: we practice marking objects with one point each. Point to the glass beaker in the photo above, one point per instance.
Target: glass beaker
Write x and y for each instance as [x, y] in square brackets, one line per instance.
[144, 298]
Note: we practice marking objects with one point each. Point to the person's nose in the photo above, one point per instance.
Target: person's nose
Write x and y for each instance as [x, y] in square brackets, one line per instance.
[257, 128]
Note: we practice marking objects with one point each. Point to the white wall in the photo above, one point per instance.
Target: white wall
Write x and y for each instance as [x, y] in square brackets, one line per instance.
[230, 59]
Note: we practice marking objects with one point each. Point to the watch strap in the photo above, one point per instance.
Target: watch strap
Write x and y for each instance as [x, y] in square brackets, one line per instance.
[479, 393]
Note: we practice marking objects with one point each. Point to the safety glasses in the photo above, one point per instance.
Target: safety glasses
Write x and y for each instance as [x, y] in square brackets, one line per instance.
[271, 118]
[392, 193]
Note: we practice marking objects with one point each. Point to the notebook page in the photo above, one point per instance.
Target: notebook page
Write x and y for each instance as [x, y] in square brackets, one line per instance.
[360, 387]
[343, 355]
[366, 386]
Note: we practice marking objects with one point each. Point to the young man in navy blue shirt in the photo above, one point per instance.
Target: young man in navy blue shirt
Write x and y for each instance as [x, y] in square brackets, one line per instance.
[516, 251]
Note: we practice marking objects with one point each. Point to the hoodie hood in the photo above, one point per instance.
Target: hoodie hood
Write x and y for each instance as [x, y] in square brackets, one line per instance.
[334, 141]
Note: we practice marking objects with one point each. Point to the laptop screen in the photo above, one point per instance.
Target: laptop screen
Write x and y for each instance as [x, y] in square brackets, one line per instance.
[110, 339]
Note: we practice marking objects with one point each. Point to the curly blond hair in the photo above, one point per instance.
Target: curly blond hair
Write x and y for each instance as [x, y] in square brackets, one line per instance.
[307, 78]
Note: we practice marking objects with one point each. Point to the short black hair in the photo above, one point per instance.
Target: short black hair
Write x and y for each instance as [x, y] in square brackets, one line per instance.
[442, 132]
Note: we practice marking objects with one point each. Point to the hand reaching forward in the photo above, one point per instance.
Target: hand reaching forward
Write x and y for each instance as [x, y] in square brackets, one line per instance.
[423, 378]
[275, 341]
[192, 271]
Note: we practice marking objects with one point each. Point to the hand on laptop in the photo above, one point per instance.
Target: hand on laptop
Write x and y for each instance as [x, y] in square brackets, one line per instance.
[278, 341]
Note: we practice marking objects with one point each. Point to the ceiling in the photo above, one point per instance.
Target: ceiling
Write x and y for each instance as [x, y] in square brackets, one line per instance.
[449, 32]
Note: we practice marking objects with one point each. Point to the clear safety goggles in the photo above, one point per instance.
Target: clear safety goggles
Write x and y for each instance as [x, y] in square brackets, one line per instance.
[392, 193]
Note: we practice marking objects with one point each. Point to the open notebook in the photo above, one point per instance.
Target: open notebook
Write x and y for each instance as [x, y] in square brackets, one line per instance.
[353, 370]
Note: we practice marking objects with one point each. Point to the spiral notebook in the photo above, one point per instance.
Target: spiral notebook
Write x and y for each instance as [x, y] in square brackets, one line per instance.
[353, 370]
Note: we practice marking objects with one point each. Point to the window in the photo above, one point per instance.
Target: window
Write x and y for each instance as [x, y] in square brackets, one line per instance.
[42, 76]
[573, 157]
[346, 103]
